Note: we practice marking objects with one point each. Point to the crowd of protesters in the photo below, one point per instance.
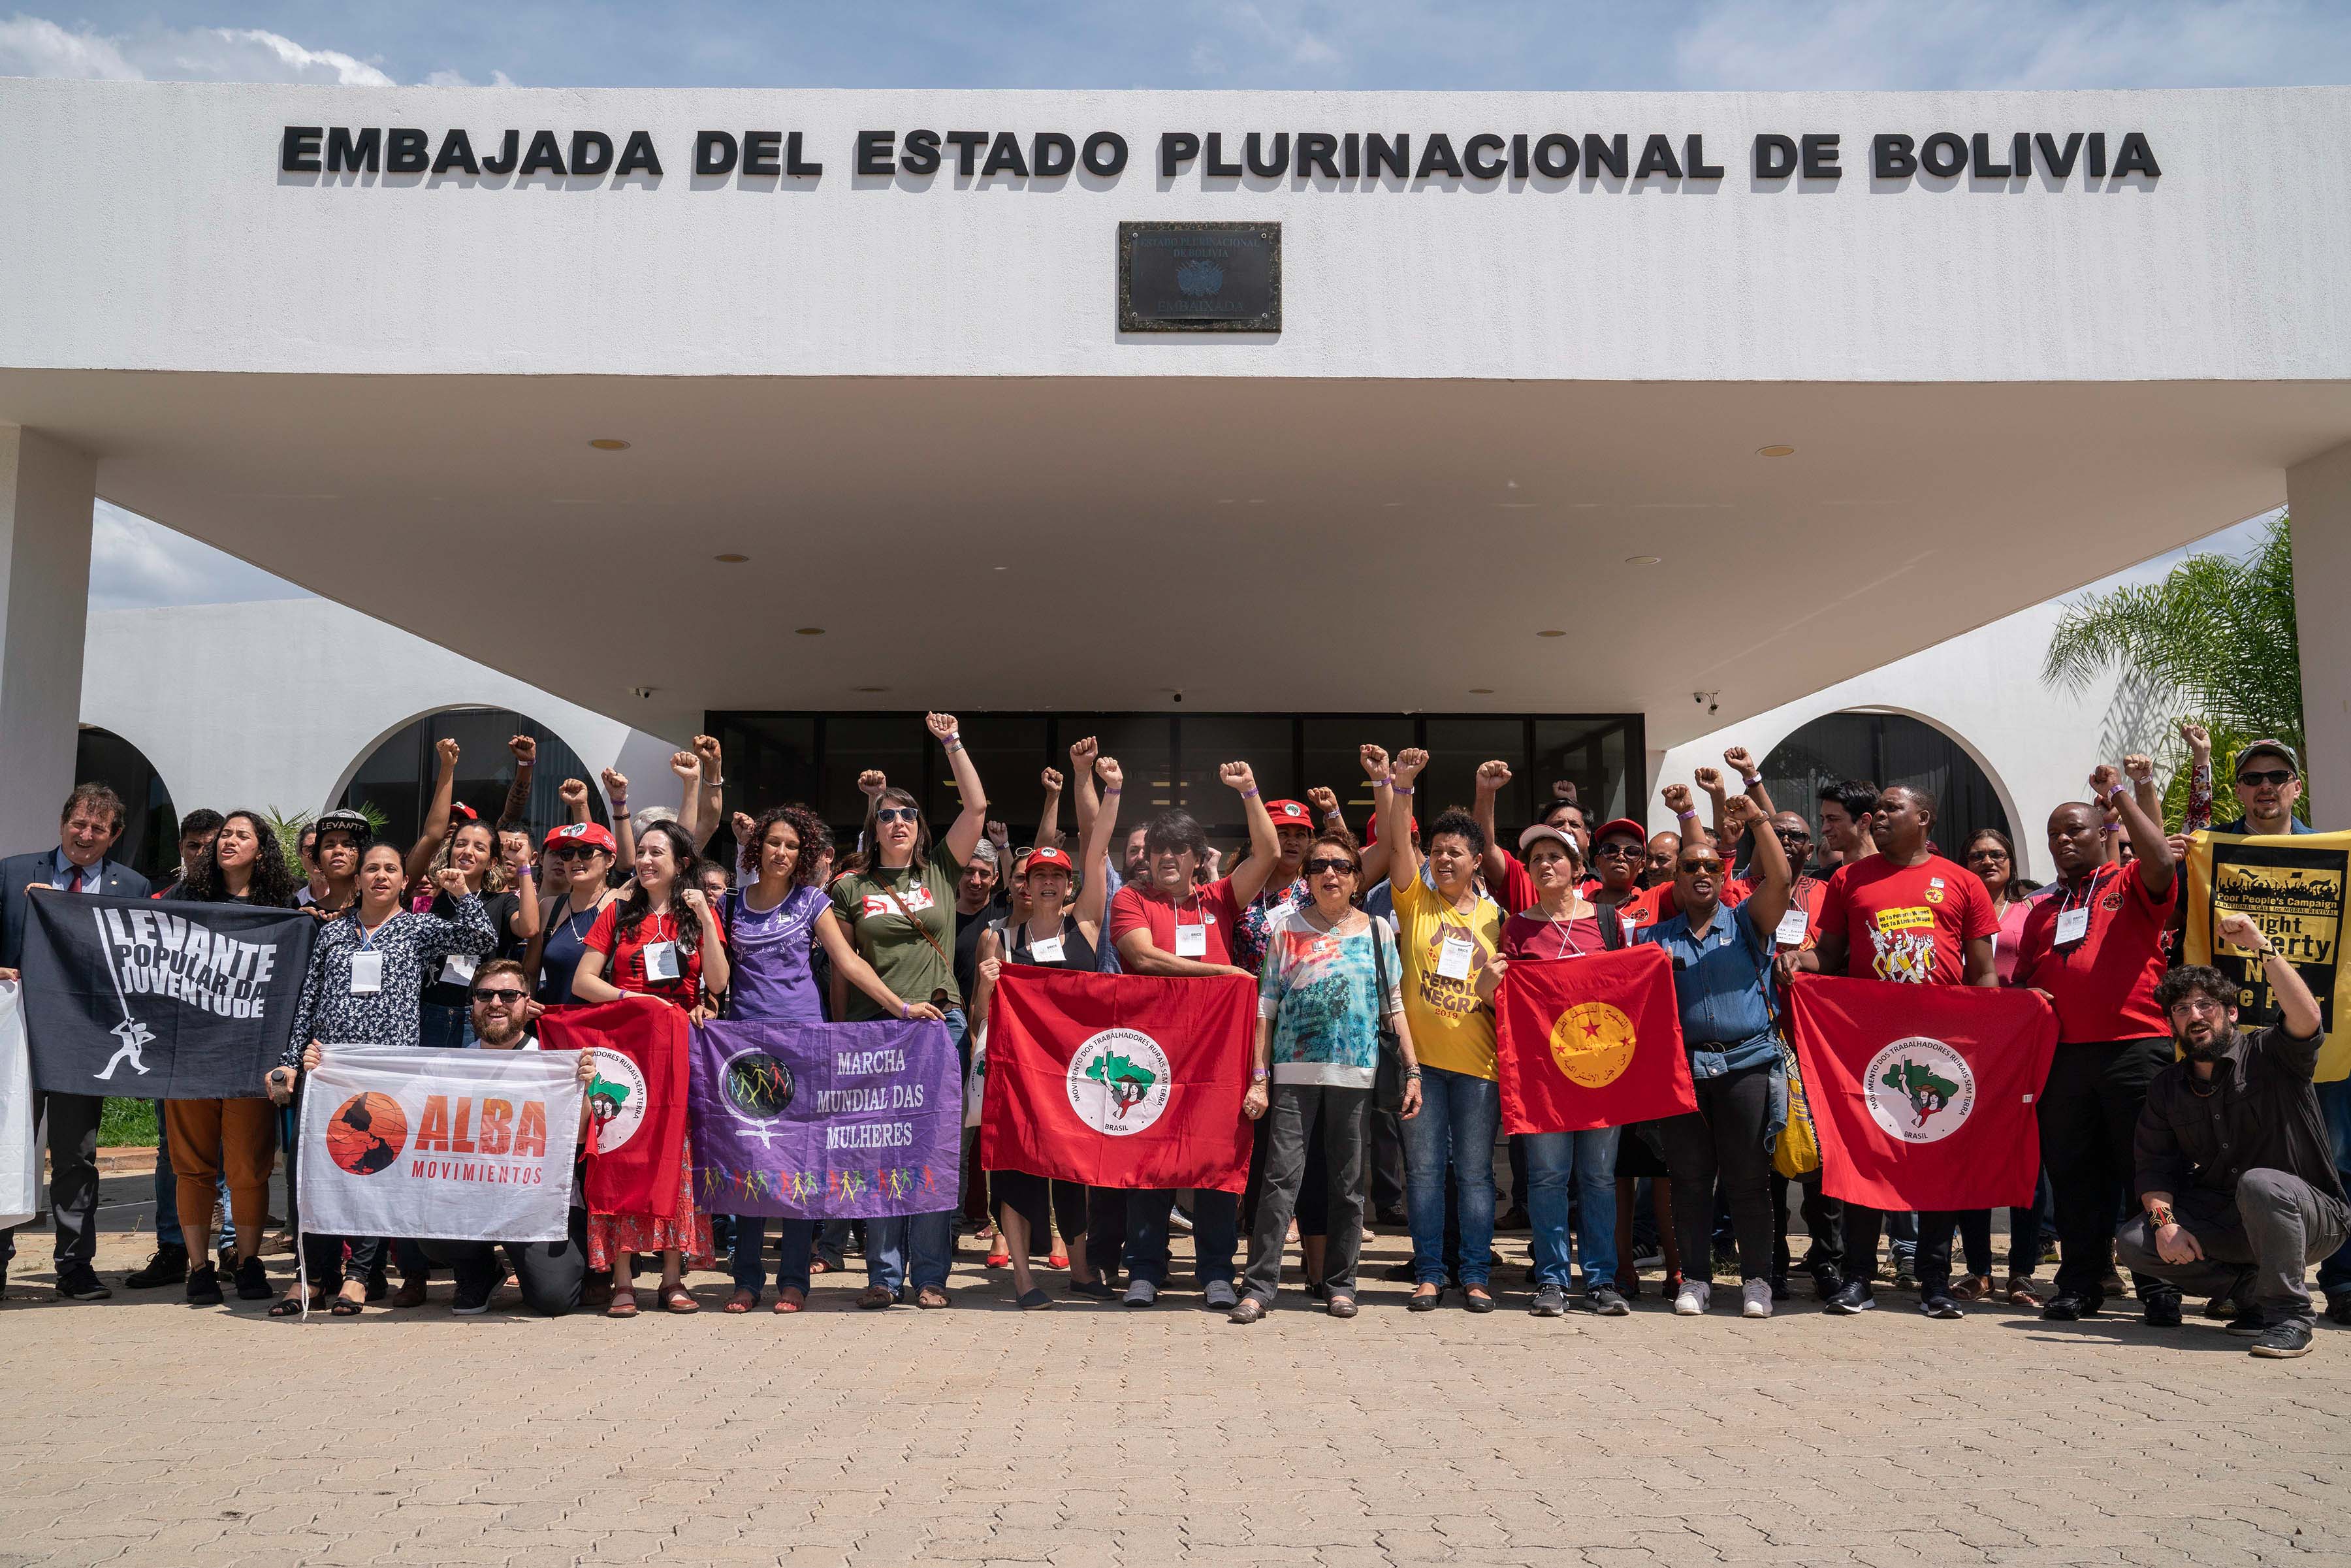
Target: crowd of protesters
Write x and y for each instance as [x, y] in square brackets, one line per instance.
[2178, 1141]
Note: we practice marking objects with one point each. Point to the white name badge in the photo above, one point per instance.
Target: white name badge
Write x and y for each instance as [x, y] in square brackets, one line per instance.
[2072, 925]
[1046, 950]
[1453, 958]
[1792, 928]
[661, 960]
[457, 968]
[367, 973]
[1191, 941]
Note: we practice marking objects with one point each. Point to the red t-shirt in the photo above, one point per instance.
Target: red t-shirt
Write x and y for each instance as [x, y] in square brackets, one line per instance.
[1533, 935]
[1212, 906]
[1517, 889]
[2104, 985]
[627, 968]
[1909, 923]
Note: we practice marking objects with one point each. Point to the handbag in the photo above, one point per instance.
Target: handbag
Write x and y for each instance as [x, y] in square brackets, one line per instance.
[1387, 1076]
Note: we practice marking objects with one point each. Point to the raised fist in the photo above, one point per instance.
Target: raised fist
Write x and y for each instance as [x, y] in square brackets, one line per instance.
[871, 783]
[1374, 759]
[1677, 799]
[451, 880]
[686, 765]
[2199, 739]
[1083, 752]
[1051, 779]
[524, 748]
[1238, 777]
[705, 746]
[1740, 760]
[743, 824]
[2238, 931]
[1492, 776]
[2140, 766]
[1738, 813]
[573, 792]
[616, 784]
[1708, 779]
[2102, 780]
[1324, 801]
[1408, 765]
[446, 749]
[1113, 776]
[941, 724]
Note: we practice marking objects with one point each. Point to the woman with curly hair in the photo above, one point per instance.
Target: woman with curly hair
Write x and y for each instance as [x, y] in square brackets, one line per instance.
[663, 944]
[208, 1137]
[773, 922]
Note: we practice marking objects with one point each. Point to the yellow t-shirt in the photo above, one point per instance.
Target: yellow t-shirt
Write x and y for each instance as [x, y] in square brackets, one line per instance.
[1451, 1029]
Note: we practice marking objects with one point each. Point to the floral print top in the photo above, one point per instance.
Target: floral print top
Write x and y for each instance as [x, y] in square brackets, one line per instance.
[412, 946]
[1324, 996]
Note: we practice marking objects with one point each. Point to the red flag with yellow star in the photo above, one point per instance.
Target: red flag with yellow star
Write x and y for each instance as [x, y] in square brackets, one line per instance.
[1590, 1043]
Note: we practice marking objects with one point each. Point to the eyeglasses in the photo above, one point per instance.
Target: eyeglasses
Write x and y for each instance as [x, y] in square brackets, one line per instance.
[1701, 868]
[1622, 851]
[574, 853]
[1794, 835]
[1321, 864]
[505, 996]
[2273, 775]
[1987, 854]
[897, 814]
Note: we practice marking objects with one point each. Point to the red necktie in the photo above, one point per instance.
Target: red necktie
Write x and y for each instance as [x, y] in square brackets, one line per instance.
[75, 885]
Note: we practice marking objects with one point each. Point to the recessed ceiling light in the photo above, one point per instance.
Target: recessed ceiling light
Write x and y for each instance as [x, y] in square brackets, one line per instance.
[608, 443]
[807, 630]
[869, 689]
[1643, 559]
[1778, 450]
[1481, 691]
[731, 559]
[1550, 634]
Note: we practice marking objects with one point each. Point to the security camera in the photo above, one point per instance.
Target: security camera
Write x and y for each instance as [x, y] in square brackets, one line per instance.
[1179, 696]
[1712, 707]
[1706, 698]
[640, 693]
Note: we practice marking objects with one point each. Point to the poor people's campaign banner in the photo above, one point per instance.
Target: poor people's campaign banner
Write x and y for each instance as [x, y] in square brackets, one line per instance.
[2294, 886]
[467, 1145]
[1120, 1080]
[155, 1000]
[826, 1121]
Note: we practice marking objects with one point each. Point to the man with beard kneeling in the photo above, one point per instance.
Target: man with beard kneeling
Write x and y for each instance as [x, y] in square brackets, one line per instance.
[2235, 1167]
[549, 1272]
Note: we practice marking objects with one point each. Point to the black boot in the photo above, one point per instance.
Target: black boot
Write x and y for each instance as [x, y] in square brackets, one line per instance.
[169, 1266]
[204, 1285]
[252, 1280]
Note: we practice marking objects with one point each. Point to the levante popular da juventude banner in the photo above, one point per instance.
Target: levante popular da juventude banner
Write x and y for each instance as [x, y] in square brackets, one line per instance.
[2292, 886]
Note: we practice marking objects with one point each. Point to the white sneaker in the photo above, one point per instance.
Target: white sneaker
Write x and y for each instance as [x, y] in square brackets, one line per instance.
[1696, 1296]
[1759, 1299]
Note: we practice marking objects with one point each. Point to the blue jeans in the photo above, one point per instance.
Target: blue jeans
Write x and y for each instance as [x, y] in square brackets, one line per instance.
[794, 1237]
[1216, 1234]
[1458, 1117]
[1587, 1162]
[917, 1250]
[2334, 1105]
[447, 1028]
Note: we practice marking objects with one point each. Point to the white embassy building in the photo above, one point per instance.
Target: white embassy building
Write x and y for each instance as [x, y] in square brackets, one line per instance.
[1585, 430]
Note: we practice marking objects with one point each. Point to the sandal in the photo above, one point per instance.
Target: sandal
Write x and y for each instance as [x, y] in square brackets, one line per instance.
[291, 1307]
[624, 1303]
[932, 1296]
[790, 1299]
[344, 1307]
[1340, 1305]
[876, 1297]
[819, 1266]
[675, 1299]
[742, 1302]
[2025, 1293]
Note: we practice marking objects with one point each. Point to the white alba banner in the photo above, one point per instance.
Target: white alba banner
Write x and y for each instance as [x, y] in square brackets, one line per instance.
[466, 1145]
[20, 1160]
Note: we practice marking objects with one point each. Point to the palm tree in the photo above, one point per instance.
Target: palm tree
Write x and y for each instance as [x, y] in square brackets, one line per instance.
[2219, 629]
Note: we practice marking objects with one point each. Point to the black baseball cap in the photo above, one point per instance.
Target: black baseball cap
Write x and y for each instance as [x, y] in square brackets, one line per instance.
[362, 830]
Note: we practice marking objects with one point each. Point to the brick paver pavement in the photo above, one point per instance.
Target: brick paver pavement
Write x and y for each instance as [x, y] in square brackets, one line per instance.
[141, 1431]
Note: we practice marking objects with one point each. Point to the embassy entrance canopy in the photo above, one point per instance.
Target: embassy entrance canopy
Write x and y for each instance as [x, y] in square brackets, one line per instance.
[1763, 390]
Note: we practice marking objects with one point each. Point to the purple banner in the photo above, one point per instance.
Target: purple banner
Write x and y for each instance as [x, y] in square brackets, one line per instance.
[847, 1120]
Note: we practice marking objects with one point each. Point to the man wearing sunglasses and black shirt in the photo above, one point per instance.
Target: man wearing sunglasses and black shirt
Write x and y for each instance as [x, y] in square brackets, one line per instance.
[549, 1272]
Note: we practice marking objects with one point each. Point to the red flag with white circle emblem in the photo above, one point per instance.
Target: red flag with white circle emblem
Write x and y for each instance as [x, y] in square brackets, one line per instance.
[1591, 1042]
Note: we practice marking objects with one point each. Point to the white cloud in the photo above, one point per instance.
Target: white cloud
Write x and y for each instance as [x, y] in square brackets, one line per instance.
[37, 47]
[135, 564]
[1899, 44]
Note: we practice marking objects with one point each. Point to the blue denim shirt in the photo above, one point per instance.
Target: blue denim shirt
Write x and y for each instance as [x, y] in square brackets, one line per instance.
[1723, 983]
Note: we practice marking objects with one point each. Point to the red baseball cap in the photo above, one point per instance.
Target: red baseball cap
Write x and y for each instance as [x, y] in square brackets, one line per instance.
[1372, 829]
[1290, 815]
[593, 834]
[460, 811]
[1622, 825]
[1050, 856]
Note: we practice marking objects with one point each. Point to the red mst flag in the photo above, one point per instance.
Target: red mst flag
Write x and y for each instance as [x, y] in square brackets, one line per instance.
[1591, 1042]
[636, 1102]
[1923, 1095]
[1119, 1080]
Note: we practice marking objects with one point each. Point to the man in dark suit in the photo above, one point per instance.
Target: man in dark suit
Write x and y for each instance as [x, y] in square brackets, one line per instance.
[87, 828]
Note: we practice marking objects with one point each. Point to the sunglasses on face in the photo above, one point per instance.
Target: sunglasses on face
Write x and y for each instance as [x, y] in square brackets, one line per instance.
[1987, 854]
[897, 814]
[572, 852]
[1323, 864]
[1701, 868]
[1619, 851]
[505, 996]
[2273, 776]
[1792, 835]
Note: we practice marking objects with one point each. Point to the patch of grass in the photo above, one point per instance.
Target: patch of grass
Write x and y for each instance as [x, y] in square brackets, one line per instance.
[128, 1123]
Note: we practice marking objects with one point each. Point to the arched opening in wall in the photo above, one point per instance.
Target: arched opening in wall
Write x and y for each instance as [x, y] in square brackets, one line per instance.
[149, 844]
[1886, 748]
[396, 778]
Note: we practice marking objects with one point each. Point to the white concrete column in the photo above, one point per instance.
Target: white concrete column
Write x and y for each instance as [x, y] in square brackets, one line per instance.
[46, 491]
[2318, 499]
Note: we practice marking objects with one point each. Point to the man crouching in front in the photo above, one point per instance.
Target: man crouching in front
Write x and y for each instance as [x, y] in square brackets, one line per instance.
[2235, 1172]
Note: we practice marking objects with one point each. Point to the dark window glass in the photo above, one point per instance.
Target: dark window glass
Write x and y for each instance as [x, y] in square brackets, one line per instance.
[895, 743]
[1455, 747]
[1591, 753]
[1332, 758]
[770, 759]
[1210, 740]
[1886, 749]
[150, 843]
[397, 777]
[1009, 749]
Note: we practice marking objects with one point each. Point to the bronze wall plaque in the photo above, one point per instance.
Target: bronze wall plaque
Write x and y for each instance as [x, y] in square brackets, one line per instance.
[1199, 278]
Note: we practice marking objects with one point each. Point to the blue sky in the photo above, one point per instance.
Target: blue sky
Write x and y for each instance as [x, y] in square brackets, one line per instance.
[1671, 44]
